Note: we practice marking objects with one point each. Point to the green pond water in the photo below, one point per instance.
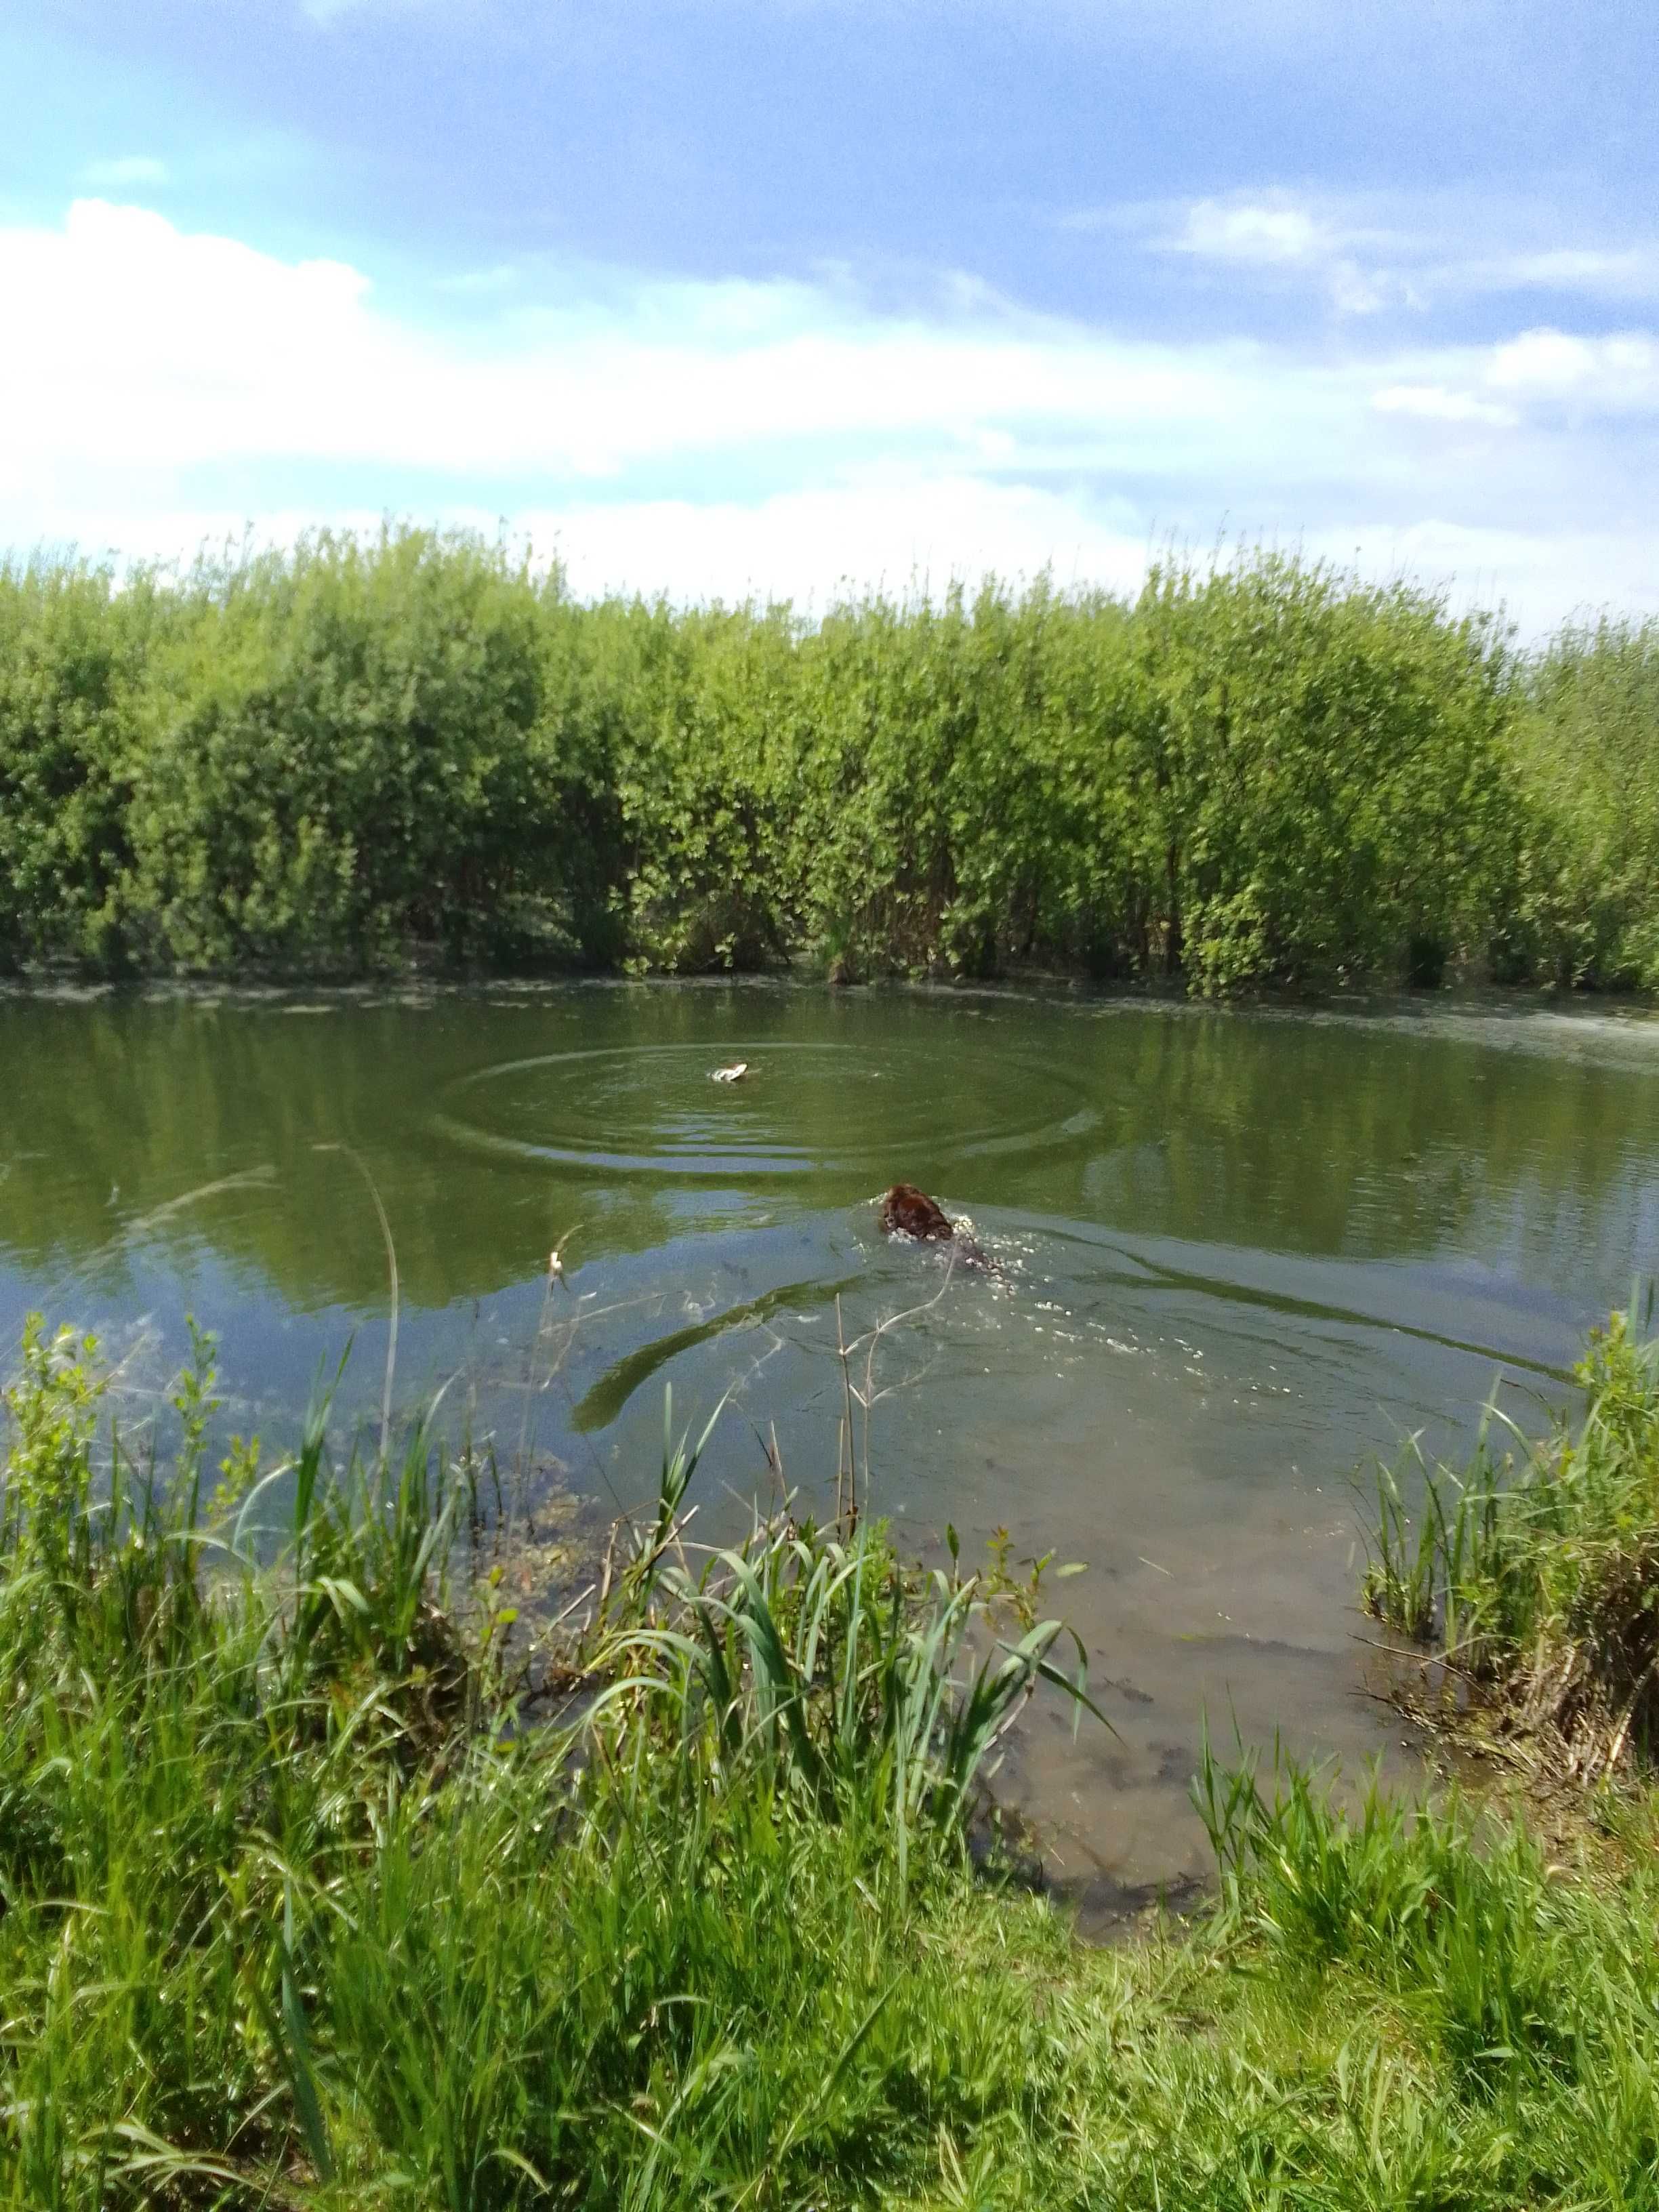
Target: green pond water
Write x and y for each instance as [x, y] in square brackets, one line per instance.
[1237, 1253]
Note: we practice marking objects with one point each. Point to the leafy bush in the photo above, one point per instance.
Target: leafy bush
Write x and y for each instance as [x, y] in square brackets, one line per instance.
[73, 652]
[706, 862]
[344, 750]
[1588, 909]
[963, 782]
[1322, 769]
[1264, 773]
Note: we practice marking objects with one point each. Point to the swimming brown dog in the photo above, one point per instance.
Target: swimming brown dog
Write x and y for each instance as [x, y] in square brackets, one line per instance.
[908, 1212]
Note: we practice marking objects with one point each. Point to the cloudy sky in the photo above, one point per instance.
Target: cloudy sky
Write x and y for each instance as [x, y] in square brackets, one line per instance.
[717, 296]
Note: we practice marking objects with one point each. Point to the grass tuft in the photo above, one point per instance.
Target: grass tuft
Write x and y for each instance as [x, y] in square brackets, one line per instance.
[1534, 1574]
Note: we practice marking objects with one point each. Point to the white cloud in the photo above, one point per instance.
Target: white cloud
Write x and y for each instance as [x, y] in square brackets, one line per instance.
[501, 278]
[809, 546]
[1434, 403]
[225, 354]
[734, 436]
[1539, 372]
[1285, 238]
[1617, 374]
[1540, 577]
[1615, 273]
[1274, 233]
[1366, 266]
[1359, 291]
[327, 13]
[124, 173]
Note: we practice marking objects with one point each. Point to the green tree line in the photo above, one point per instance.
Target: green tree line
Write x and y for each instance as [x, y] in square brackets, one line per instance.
[1262, 773]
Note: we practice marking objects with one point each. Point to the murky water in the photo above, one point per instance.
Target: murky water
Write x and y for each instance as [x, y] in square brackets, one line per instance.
[1237, 1253]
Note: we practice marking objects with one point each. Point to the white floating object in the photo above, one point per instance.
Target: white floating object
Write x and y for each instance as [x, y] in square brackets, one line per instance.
[735, 1073]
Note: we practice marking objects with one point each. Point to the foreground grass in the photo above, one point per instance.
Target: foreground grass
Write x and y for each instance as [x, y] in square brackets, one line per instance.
[299, 1909]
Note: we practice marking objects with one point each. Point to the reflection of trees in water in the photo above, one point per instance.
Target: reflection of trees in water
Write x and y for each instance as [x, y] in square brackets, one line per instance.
[1317, 1138]
[163, 1098]
[1328, 1139]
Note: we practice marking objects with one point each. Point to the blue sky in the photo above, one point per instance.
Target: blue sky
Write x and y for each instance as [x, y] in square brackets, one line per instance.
[735, 295]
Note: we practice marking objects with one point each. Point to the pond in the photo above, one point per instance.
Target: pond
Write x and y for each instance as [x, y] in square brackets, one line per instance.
[1236, 1255]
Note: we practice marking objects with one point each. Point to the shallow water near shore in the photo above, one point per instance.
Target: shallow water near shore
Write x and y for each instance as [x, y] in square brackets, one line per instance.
[1235, 1254]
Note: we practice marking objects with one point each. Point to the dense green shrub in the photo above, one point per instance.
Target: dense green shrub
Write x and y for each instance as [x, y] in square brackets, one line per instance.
[72, 650]
[963, 780]
[1324, 767]
[344, 750]
[703, 759]
[1260, 773]
[1588, 909]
